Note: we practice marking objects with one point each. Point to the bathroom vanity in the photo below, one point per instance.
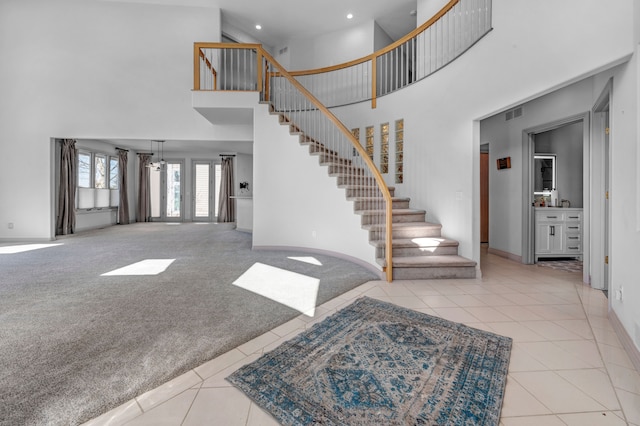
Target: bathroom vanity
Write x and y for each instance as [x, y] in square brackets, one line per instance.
[558, 232]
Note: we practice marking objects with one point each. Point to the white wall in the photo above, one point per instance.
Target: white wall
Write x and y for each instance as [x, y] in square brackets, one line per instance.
[505, 140]
[296, 203]
[517, 61]
[331, 48]
[380, 38]
[624, 192]
[244, 173]
[91, 70]
[428, 8]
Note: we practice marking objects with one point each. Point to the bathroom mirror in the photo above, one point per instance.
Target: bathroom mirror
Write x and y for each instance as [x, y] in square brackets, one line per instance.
[544, 173]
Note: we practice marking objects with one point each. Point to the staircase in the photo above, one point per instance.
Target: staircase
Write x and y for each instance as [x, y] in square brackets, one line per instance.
[419, 251]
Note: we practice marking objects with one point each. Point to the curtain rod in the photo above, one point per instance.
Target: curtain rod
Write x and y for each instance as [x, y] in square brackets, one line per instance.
[227, 155]
[122, 149]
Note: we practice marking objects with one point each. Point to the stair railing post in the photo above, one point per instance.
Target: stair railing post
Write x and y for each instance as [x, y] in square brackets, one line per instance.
[259, 85]
[196, 66]
[388, 254]
[374, 80]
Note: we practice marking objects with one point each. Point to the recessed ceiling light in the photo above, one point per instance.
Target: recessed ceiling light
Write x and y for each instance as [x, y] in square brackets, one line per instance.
[258, 27]
[349, 15]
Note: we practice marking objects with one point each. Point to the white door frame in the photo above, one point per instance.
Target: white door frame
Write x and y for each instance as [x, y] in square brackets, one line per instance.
[212, 214]
[599, 227]
[163, 192]
[528, 219]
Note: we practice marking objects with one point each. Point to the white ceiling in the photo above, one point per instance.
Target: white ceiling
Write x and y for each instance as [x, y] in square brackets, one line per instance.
[282, 20]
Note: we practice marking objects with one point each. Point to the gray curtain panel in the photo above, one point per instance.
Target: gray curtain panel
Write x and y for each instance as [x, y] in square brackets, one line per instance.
[123, 205]
[144, 196]
[226, 209]
[66, 223]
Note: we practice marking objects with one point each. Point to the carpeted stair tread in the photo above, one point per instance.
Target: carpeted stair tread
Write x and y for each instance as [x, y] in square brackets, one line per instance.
[416, 242]
[446, 261]
[394, 211]
[378, 198]
[405, 225]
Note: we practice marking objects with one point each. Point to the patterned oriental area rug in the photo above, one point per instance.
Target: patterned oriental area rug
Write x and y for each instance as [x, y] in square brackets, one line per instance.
[377, 363]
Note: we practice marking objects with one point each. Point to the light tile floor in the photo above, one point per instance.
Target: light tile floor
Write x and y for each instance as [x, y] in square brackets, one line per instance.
[567, 364]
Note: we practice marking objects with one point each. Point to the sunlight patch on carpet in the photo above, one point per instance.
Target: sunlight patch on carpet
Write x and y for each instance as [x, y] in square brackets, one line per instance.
[291, 289]
[375, 363]
[25, 247]
[306, 259]
[144, 267]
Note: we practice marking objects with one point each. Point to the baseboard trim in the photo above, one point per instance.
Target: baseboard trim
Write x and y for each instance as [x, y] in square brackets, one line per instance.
[626, 340]
[505, 254]
[26, 240]
[338, 255]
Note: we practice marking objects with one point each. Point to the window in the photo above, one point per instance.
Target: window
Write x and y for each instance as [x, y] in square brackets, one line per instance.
[97, 180]
[384, 148]
[400, 151]
[101, 171]
[369, 141]
[113, 173]
[84, 170]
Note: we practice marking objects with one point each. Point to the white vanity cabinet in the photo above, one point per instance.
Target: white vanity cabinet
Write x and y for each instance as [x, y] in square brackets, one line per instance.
[558, 232]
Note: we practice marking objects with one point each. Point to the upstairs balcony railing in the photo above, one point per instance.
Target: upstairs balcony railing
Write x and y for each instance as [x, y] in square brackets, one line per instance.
[427, 49]
[302, 99]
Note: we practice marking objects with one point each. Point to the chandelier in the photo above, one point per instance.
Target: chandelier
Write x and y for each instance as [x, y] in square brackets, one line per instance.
[157, 165]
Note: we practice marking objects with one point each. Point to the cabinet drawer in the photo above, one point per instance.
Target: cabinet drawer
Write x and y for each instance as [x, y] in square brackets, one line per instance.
[550, 216]
[573, 217]
[572, 239]
[573, 228]
[573, 247]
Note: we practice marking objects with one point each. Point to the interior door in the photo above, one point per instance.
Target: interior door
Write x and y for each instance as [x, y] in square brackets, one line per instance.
[484, 197]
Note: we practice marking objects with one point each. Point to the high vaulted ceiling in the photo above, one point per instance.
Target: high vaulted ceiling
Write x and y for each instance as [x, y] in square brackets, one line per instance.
[282, 20]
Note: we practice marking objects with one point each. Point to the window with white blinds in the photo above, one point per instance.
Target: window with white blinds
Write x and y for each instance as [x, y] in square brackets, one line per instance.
[97, 185]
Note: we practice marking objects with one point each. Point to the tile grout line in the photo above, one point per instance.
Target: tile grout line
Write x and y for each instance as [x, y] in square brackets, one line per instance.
[184, 419]
[582, 304]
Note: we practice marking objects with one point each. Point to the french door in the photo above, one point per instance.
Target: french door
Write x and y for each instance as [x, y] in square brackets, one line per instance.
[167, 187]
[206, 190]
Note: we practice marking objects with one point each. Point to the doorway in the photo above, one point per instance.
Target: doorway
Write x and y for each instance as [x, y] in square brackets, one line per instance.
[206, 190]
[166, 188]
[602, 131]
[573, 188]
[484, 193]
